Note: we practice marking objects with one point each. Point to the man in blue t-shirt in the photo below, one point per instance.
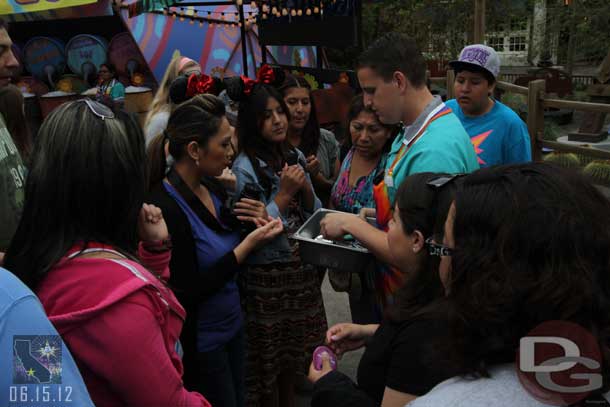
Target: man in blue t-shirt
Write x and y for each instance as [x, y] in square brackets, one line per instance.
[498, 135]
[36, 368]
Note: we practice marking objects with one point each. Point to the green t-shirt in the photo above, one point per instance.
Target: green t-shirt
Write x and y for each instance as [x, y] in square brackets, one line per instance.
[444, 147]
[12, 186]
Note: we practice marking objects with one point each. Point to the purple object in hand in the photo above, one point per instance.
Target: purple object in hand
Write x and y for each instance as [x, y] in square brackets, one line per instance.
[317, 357]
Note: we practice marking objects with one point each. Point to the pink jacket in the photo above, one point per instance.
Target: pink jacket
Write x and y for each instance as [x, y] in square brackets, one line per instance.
[121, 324]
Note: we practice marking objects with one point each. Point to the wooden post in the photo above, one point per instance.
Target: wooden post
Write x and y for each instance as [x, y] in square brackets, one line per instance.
[450, 80]
[479, 21]
[244, 50]
[535, 115]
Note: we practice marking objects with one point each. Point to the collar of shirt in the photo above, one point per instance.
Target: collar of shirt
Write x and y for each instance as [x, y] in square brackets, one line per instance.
[410, 131]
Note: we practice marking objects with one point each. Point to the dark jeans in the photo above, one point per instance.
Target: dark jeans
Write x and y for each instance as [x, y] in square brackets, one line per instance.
[221, 373]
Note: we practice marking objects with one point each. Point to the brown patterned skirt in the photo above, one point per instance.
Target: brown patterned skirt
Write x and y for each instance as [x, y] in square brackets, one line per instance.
[285, 322]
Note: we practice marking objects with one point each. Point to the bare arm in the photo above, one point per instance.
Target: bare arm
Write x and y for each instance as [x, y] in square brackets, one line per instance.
[394, 398]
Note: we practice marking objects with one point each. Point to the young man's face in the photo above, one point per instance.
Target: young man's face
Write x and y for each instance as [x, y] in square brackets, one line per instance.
[472, 91]
[8, 62]
[381, 96]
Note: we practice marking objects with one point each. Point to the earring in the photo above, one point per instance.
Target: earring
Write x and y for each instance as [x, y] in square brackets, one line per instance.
[197, 162]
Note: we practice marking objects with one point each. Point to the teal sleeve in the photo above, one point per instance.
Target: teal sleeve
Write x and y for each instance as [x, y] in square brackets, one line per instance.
[118, 91]
[54, 379]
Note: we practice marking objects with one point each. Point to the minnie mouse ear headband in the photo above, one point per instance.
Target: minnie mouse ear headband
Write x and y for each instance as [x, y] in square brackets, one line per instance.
[239, 87]
[183, 88]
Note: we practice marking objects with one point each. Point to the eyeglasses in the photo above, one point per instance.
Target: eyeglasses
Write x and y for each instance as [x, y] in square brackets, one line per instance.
[443, 180]
[98, 109]
[437, 249]
[190, 72]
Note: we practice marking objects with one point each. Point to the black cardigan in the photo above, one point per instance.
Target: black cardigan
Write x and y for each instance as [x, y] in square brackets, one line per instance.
[190, 286]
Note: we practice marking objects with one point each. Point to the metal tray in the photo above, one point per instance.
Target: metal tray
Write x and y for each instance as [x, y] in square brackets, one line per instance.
[334, 255]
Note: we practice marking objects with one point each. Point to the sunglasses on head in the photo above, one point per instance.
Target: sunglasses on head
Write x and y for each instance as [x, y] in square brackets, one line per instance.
[98, 109]
[442, 180]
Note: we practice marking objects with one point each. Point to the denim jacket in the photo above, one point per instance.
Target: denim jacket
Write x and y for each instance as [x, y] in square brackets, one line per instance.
[278, 250]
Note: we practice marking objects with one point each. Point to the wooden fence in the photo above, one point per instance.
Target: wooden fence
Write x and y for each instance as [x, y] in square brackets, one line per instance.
[537, 102]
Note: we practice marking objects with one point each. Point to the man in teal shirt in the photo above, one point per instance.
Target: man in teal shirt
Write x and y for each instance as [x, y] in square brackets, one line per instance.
[392, 75]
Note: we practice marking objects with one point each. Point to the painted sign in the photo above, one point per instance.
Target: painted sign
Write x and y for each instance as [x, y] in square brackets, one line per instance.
[28, 6]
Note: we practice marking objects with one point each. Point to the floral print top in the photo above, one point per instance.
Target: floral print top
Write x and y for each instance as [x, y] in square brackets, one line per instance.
[351, 199]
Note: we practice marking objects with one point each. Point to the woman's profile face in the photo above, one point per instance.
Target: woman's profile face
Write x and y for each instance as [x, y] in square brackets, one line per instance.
[404, 248]
[274, 122]
[218, 151]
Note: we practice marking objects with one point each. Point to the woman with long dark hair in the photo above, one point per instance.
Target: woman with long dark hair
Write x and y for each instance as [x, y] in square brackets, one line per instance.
[208, 250]
[319, 146]
[284, 309]
[402, 359]
[525, 253]
[97, 257]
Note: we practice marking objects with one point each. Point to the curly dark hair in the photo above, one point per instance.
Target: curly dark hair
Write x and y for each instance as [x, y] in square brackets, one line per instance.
[531, 245]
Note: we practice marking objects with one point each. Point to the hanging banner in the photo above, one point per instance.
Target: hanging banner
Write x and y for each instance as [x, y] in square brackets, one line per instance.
[28, 6]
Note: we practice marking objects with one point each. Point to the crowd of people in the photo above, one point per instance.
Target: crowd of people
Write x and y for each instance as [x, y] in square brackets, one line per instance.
[162, 255]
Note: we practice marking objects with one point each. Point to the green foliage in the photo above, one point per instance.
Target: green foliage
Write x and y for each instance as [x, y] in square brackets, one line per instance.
[552, 131]
[443, 27]
[598, 172]
[566, 160]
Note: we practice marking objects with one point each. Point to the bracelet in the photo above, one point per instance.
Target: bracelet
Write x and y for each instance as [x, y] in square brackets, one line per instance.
[157, 246]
